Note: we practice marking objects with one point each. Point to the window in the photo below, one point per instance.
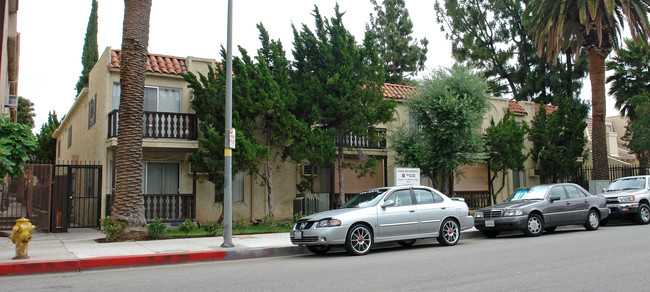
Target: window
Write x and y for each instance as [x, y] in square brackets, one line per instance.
[156, 99]
[161, 178]
[92, 110]
[573, 192]
[423, 196]
[69, 136]
[58, 148]
[237, 190]
[401, 198]
[116, 96]
[558, 192]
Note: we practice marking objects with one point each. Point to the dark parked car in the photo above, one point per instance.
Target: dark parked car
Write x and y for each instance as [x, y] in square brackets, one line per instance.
[542, 208]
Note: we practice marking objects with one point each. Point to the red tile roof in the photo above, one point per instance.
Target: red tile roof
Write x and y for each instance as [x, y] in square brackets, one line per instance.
[549, 108]
[397, 91]
[155, 63]
[516, 108]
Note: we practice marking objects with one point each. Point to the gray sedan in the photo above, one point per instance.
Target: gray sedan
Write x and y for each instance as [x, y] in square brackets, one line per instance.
[542, 208]
[402, 214]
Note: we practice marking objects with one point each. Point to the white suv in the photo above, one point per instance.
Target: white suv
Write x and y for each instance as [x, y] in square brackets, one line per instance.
[629, 196]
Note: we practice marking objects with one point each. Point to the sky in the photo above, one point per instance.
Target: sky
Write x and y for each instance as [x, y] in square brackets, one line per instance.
[52, 37]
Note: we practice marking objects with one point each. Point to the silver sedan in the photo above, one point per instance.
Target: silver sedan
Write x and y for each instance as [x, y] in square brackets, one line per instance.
[402, 214]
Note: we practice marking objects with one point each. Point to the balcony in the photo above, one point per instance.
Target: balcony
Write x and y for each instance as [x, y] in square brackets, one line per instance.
[353, 141]
[160, 125]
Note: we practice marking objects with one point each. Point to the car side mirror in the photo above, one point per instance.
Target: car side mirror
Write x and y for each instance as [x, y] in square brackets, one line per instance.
[555, 198]
[388, 203]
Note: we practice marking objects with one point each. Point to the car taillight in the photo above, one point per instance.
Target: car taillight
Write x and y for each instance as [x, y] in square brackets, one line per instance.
[468, 213]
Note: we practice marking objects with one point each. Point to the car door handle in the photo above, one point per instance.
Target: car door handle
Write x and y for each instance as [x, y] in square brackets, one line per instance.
[443, 208]
[411, 211]
[568, 203]
[586, 201]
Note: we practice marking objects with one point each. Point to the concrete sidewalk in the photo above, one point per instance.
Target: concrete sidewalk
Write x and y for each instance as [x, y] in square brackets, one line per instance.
[78, 250]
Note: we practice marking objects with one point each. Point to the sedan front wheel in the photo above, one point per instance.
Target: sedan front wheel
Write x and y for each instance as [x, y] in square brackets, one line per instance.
[593, 220]
[534, 225]
[359, 240]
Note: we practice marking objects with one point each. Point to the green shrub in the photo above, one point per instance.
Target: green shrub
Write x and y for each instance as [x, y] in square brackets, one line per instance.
[241, 225]
[211, 227]
[111, 228]
[156, 229]
[187, 226]
[270, 223]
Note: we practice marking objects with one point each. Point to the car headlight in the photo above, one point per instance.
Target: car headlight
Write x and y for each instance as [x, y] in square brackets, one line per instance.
[515, 212]
[478, 214]
[626, 199]
[329, 223]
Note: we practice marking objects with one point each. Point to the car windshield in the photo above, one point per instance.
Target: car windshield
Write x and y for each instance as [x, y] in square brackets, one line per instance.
[634, 183]
[365, 199]
[534, 193]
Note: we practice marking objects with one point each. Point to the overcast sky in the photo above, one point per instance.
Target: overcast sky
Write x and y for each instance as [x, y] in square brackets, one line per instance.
[52, 36]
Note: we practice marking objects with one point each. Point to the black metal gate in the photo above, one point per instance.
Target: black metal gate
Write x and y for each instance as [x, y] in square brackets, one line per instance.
[53, 197]
[77, 194]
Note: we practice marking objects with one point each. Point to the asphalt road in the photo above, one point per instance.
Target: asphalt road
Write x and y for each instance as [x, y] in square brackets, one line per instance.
[613, 258]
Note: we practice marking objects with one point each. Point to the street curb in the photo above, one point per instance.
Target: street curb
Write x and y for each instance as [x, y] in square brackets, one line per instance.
[55, 266]
[97, 263]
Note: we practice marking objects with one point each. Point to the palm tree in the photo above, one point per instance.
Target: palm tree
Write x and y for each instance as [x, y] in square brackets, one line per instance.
[128, 205]
[561, 26]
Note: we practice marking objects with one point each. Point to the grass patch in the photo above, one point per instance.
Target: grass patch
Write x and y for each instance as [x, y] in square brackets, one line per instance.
[199, 232]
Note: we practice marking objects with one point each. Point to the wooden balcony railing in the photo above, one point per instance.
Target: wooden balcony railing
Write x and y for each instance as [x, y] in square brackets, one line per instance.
[160, 125]
[365, 142]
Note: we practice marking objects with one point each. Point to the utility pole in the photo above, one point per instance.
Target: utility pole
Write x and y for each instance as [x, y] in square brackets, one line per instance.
[227, 186]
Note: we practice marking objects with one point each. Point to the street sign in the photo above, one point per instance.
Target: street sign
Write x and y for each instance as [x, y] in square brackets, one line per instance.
[231, 140]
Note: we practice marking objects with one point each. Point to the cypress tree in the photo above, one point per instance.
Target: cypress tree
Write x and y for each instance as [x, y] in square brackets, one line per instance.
[90, 52]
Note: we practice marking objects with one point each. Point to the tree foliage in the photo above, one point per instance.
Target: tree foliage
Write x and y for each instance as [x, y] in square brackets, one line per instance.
[629, 85]
[338, 83]
[491, 35]
[25, 112]
[447, 112]
[504, 144]
[90, 52]
[558, 138]
[631, 78]
[16, 143]
[45, 144]
[595, 25]
[637, 134]
[391, 28]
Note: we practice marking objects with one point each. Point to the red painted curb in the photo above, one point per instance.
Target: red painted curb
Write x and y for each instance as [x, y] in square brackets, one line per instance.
[20, 268]
[152, 259]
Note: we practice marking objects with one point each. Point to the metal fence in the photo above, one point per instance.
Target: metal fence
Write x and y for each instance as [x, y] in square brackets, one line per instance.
[54, 197]
[584, 174]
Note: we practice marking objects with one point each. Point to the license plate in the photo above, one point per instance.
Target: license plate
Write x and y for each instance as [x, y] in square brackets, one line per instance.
[489, 223]
[297, 234]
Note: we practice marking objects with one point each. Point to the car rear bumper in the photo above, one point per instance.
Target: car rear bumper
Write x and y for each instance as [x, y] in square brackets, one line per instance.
[501, 223]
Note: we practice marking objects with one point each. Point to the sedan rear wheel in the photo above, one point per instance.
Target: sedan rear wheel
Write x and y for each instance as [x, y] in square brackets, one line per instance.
[449, 233]
[643, 216]
[359, 240]
[534, 225]
[319, 249]
[593, 220]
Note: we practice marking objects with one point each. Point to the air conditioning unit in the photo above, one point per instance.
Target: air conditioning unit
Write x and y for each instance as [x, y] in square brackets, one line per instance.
[11, 101]
[307, 170]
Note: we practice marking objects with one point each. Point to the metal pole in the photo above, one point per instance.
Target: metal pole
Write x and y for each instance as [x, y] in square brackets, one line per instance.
[227, 186]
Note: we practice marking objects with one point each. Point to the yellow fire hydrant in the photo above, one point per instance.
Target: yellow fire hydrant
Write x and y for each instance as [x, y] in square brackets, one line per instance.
[21, 237]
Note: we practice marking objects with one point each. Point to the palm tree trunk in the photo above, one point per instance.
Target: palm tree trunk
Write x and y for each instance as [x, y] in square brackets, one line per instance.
[129, 205]
[599, 142]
